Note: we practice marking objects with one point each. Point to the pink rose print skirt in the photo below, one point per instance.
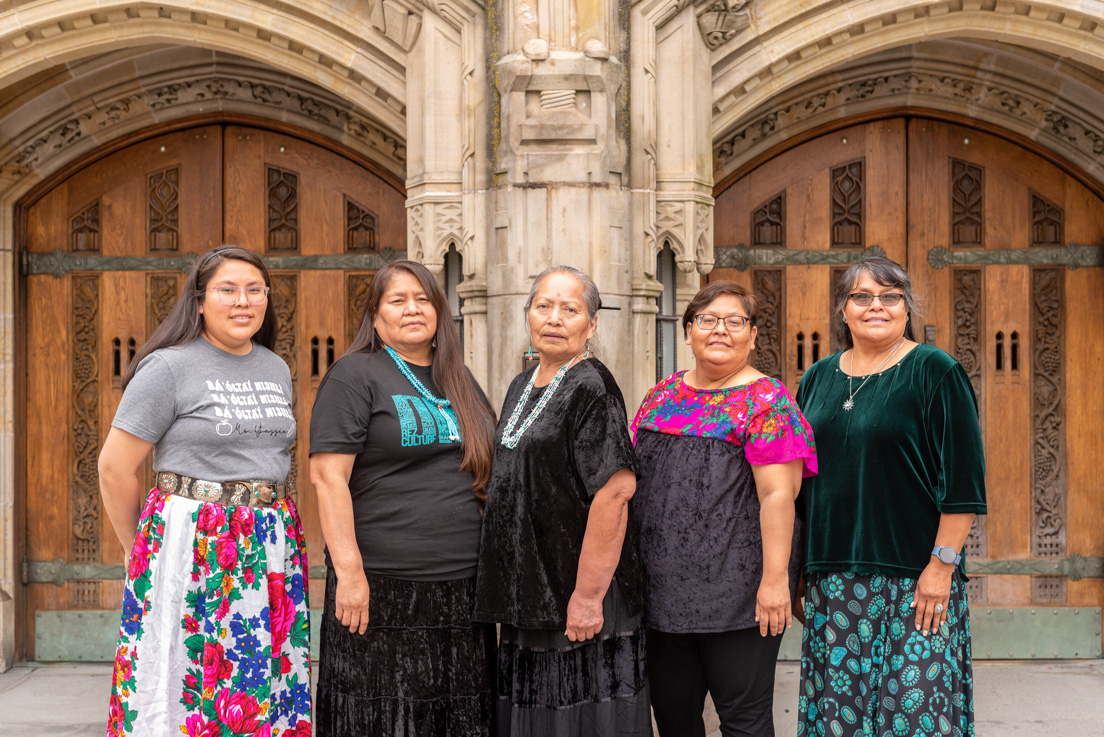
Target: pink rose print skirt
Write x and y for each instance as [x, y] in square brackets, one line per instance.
[215, 628]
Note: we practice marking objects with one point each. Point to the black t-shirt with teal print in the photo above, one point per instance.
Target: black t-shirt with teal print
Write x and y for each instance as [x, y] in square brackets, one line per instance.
[415, 515]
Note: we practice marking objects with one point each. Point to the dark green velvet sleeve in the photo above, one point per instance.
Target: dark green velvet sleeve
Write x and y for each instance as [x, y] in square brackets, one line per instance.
[909, 451]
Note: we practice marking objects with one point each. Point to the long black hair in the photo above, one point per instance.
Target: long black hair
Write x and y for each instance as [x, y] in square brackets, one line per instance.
[184, 322]
[473, 411]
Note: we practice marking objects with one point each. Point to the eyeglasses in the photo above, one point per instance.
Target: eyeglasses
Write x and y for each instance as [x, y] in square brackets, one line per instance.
[865, 299]
[230, 295]
[735, 323]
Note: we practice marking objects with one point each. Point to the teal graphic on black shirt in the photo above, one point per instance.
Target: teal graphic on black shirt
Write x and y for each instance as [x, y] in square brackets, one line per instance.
[421, 423]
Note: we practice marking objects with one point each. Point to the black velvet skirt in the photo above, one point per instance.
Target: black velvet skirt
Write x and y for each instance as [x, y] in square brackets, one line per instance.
[421, 669]
[549, 686]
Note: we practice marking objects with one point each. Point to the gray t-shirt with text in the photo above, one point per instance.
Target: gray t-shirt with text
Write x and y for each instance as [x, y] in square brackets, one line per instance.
[212, 415]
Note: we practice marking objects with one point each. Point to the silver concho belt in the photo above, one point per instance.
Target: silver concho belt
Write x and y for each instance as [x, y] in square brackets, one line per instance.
[234, 493]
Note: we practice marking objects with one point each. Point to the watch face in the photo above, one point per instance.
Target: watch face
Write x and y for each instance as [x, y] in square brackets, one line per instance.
[947, 555]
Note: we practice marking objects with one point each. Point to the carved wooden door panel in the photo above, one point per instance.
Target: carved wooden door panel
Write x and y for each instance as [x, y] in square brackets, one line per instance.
[105, 255]
[988, 231]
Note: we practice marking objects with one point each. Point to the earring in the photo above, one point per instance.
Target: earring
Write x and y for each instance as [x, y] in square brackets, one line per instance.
[529, 353]
[434, 344]
[843, 317]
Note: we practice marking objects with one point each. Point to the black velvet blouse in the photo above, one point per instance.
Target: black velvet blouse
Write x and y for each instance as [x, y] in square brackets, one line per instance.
[909, 451]
[539, 497]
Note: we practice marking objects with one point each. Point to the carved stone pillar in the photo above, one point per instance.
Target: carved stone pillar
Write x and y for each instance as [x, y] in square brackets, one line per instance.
[446, 144]
[560, 192]
[672, 168]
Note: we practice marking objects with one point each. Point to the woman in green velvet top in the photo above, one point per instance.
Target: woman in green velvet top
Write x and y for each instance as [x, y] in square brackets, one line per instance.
[886, 646]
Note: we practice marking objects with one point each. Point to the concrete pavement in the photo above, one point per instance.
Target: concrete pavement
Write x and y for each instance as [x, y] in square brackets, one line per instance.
[1013, 699]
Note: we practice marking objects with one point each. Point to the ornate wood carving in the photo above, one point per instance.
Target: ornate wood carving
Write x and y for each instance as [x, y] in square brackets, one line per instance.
[285, 291]
[356, 297]
[847, 205]
[769, 285]
[163, 197]
[837, 339]
[1048, 589]
[361, 228]
[84, 436]
[283, 210]
[161, 293]
[84, 230]
[1048, 222]
[768, 223]
[967, 204]
[968, 350]
[977, 590]
[1048, 529]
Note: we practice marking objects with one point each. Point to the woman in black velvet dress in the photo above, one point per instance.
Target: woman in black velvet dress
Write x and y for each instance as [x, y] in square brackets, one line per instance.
[558, 566]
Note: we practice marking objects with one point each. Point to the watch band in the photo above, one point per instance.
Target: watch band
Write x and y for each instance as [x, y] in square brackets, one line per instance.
[946, 554]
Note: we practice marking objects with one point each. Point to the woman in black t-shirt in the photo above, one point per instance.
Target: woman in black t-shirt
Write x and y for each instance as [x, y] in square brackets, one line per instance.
[400, 458]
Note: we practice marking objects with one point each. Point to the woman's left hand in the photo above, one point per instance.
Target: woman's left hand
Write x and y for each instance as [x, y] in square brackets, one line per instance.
[584, 617]
[932, 596]
[772, 605]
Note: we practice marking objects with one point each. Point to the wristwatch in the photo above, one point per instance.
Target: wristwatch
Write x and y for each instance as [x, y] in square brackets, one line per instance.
[946, 554]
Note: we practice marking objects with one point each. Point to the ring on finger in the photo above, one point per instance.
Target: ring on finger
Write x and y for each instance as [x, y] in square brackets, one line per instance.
[938, 608]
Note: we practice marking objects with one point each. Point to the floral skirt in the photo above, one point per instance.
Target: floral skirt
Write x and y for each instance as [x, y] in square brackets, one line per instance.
[421, 669]
[866, 670]
[215, 631]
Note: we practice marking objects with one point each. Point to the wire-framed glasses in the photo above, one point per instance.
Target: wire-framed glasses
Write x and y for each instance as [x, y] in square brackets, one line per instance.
[254, 295]
[735, 323]
[865, 299]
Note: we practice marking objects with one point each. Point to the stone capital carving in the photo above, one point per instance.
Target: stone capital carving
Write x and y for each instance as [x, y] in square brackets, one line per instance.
[398, 20]
[686, 223]
[434, 222]
[720, 20]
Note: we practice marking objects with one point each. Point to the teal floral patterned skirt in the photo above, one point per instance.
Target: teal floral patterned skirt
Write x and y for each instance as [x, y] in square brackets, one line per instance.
[214, 639]
[867, 672]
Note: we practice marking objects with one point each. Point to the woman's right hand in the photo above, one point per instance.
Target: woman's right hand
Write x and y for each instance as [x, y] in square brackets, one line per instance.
[352, 602]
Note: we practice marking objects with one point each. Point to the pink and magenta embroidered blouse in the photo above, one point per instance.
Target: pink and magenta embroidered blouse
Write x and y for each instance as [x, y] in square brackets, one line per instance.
[696, 504]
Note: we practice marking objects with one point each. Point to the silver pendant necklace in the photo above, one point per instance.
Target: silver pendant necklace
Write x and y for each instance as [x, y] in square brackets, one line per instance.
[849, 403]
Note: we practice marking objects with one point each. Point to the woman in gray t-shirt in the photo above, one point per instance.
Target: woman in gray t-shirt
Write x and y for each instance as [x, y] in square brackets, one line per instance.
[215, 630]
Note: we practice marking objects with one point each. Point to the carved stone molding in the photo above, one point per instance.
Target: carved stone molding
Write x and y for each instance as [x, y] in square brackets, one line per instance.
[720, 21]
[397, 21]
[1017, 104]
[121, 110]
[433, 224]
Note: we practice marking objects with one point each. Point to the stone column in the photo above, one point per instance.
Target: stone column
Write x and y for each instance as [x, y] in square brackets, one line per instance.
[446, 166]
[672, 166]
[559, 163]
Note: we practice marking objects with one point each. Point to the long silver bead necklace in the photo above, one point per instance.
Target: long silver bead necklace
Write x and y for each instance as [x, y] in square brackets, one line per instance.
[509, 437]
[440, 404]
[850, 402]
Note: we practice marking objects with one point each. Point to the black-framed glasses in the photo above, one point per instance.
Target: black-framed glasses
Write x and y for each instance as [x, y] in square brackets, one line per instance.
[865, 299]
[228, 295]
[735, 323]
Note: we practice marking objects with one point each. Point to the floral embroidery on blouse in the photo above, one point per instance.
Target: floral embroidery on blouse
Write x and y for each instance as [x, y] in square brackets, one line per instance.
[760, 415]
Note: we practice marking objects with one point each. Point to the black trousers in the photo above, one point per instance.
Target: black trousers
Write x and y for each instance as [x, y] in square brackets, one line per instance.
[736, 667]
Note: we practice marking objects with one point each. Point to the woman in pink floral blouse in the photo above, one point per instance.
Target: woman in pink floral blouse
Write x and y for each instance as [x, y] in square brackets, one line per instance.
[214, 638]
[722, 450]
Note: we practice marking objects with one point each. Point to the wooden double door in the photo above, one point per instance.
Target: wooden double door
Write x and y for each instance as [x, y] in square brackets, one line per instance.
[104, 258]
[1004, 248]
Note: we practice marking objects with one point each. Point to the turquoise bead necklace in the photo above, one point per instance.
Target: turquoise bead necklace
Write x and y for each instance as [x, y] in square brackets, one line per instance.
[440, 404]
[509, 437]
